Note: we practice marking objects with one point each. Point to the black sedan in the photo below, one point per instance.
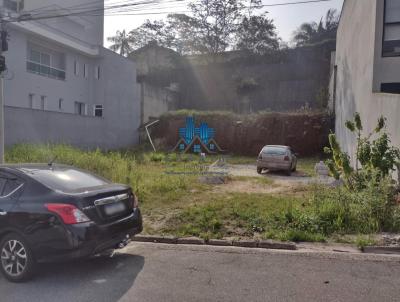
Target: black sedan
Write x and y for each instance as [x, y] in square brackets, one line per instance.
[55, 213]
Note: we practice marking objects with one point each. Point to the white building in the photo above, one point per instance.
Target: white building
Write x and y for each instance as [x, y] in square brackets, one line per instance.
[61, 84]
[368, 67]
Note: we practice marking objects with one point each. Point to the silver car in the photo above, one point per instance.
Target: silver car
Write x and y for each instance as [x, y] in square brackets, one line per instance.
[277, 158]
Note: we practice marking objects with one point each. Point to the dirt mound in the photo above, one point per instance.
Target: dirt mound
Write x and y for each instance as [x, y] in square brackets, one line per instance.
[246, 135]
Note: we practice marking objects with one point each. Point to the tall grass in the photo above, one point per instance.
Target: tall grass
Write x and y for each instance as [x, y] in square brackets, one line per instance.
[147, 180]
[319, 215]
[191, 208]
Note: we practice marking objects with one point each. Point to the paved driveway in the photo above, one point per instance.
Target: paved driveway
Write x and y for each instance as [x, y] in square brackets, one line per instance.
[156, 273]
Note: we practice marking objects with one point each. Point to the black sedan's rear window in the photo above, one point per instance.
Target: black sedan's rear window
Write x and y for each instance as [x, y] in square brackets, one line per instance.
[65, 179]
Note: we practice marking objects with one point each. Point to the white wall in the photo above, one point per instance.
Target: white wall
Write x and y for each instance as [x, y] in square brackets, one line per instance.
[355, 57]
[19, 83]
[386, 69]
[89, 29]
[115, 89]
[155, 101]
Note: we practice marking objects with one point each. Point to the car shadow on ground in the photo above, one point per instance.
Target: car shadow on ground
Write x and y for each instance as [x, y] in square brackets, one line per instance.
[284, 173]
[96, 279]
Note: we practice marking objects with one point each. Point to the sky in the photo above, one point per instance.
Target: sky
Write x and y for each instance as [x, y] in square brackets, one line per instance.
[286, 18]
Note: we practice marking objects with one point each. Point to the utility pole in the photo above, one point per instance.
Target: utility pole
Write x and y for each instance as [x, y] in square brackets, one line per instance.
[3, 67]
[3, 36]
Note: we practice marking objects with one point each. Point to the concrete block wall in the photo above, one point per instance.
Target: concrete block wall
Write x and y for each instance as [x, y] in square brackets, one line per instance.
[36, 126]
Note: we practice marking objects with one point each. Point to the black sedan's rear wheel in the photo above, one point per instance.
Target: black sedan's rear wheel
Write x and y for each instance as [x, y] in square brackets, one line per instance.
[16, 258]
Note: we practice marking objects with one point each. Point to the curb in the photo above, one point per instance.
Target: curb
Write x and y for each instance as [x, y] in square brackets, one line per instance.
[264, 244]
[155, 239]
[246, 243]
[276, 245]
[190, 240]
[219, 242]
[381, 249]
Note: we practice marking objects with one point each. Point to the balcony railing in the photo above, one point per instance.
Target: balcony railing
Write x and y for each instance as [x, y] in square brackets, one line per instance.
[45, 70]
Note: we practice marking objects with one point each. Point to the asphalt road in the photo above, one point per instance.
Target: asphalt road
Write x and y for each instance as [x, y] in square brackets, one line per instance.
[156, 273]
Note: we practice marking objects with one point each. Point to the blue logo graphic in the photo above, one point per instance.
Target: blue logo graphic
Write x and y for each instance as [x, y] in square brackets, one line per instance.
[197, 139]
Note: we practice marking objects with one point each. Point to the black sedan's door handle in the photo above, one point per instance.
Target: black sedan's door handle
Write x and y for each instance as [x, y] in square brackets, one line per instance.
[3, 213]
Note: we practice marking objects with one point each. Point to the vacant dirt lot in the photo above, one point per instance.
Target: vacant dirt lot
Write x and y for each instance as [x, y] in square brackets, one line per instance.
[245, 179]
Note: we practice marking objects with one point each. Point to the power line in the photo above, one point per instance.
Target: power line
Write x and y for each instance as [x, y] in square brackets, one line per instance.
[259, 6]
[127, 4]
[28, 17]
[89, 6]
[127, 8]
[44, 8]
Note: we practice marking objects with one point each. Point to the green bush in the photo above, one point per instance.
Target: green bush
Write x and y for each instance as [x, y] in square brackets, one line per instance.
[376, 156]
[339, 210]
[367, 211]
[156, 157]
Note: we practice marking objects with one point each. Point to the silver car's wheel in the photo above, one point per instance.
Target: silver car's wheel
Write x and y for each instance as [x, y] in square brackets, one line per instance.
[17, 263]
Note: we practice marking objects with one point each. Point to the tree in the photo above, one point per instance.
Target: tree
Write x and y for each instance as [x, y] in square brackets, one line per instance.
[146, 33]
[182, 34]
[257, 34]
[121, 43]
[216, 21]
[213, 27]
[313, 32]
[177, 32]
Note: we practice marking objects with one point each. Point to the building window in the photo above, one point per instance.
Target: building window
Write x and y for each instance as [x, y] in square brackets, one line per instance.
[85, 71]
[98, 110]
[42, 102]
[80, 108]
[14, 5]
[76, 68]
[391, 33]
[30, 100]
[60, 104]
[97, 73]
[393, 88]
[46, 62]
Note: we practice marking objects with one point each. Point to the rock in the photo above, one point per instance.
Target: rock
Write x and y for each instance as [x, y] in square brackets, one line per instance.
[321, 169]
[337, 183]
[391, 240]
[213, 180]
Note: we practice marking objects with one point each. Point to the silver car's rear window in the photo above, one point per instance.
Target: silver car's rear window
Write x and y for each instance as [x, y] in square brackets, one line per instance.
[65, 179]
[274, 150]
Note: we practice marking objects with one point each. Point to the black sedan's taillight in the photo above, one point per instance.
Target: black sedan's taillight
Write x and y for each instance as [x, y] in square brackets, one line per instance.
[69, 213]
